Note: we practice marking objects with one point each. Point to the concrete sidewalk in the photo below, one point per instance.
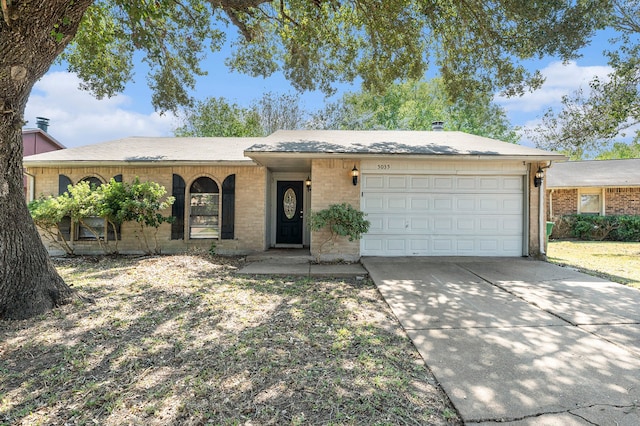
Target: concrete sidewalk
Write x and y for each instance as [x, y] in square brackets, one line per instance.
[304, 269]
[520, 342]
[297, 263]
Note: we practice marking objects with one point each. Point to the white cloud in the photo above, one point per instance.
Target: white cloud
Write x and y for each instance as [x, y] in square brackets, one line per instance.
[560, 79]
[77, 118]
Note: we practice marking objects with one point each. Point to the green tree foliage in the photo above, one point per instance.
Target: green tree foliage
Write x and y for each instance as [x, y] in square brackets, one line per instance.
[217, 117]
[620, 150]
[415, 106]
[279, 112]
[341, 220]
[590, 120]
[475, 44]
[47, 214]
[115, 202]
[143, 204]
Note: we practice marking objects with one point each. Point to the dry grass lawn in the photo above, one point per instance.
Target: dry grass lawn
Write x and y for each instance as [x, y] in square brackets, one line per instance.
[181, 340]
[616, 261]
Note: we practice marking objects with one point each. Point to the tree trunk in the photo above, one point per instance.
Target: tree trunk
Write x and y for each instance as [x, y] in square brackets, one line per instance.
[32, 34]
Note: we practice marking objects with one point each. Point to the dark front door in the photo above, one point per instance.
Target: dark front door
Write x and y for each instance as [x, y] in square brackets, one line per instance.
[289, 217]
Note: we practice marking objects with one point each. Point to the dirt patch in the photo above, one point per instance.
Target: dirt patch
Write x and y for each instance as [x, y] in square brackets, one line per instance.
[182, 340]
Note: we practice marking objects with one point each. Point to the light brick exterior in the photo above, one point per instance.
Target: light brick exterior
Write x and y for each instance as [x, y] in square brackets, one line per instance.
[250, 193]
[332, 184]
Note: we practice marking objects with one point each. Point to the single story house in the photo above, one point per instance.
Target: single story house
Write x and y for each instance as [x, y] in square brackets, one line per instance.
[598, 187]
[426, 193]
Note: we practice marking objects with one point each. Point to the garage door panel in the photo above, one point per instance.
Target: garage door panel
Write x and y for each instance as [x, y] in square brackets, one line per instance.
[440, 215]
[397, 203]
[419, 183]
[373, 202]
[419, 203]
[397, 182]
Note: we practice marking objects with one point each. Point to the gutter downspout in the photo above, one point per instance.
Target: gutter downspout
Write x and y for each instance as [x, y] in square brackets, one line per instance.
[542, 227]
[31, 181]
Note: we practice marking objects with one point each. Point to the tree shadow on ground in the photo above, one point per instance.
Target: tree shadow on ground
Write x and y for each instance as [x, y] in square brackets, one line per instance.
[181, 340]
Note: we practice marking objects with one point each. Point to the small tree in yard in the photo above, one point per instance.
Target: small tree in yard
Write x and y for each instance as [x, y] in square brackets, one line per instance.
[47, 214]
[115, 202]
[342, 220]
[112, 198]
[143, 204]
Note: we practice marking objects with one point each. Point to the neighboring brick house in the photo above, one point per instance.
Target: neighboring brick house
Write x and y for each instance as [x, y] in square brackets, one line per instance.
[37, 141]
[598, 187]
[430, 193]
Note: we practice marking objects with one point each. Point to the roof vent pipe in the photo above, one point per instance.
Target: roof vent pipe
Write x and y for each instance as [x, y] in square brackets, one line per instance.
[437, 126]
[42, 123]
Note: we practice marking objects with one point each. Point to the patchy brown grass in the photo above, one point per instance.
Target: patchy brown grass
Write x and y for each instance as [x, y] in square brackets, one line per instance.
[616, 261]
[182, 340]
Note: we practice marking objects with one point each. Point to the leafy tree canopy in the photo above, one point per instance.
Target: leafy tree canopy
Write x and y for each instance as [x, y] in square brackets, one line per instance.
[590, 120]
[217, 117]
[415, 106]
[476, 45]
[619, 151]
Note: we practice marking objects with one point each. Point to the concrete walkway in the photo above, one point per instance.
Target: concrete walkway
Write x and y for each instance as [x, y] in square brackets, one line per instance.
[297, 263]
[520, 342]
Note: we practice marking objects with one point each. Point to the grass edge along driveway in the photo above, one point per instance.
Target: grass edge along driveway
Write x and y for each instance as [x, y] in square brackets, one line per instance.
[615, 261]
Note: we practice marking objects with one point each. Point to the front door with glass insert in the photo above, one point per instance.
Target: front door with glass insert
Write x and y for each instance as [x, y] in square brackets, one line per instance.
[289, 215]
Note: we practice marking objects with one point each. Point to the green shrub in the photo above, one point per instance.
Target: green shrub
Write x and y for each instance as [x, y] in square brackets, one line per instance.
[341, 220]
[598, 228]
[628, 228]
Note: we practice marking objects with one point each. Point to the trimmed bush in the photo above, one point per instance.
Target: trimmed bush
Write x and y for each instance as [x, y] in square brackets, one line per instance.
[598, 228]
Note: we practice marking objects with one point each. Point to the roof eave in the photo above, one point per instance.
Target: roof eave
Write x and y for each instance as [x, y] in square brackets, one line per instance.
[167, 163]
[485, 157]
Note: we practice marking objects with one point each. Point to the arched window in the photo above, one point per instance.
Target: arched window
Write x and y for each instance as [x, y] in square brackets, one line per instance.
[204, 209]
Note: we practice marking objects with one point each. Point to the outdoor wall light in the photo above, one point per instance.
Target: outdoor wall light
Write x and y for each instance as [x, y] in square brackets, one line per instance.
[354, 174]
[537, 180]
[307, 183]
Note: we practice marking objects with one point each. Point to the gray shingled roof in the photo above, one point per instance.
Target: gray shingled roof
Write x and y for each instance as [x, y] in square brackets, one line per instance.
[151, 150]
[392, 143]
[597, 173]
[303, 143]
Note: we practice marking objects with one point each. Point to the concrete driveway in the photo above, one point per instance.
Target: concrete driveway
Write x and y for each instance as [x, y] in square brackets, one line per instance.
[520, 341]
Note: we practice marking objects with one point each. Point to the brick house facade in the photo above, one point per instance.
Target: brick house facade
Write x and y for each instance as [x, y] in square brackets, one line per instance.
[607, 187]
[426, 193]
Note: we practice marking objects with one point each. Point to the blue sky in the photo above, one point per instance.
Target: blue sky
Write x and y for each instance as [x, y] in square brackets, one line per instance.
[76, 118]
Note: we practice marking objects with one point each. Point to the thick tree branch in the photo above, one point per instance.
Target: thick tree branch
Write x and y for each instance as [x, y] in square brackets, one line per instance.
[5, 12]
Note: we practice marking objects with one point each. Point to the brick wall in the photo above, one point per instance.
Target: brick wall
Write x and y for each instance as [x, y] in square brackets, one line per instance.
[563, 201]
[332, 184]
[617, 201]
[250, 193]
[620, 201]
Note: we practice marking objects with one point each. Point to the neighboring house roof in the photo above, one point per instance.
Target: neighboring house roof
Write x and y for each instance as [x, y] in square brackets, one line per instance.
[402, 143]
[154, 150]
[41, 133]
[596, 173]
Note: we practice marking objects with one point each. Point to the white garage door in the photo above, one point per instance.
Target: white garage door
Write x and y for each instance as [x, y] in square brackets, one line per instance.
[443, 215]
